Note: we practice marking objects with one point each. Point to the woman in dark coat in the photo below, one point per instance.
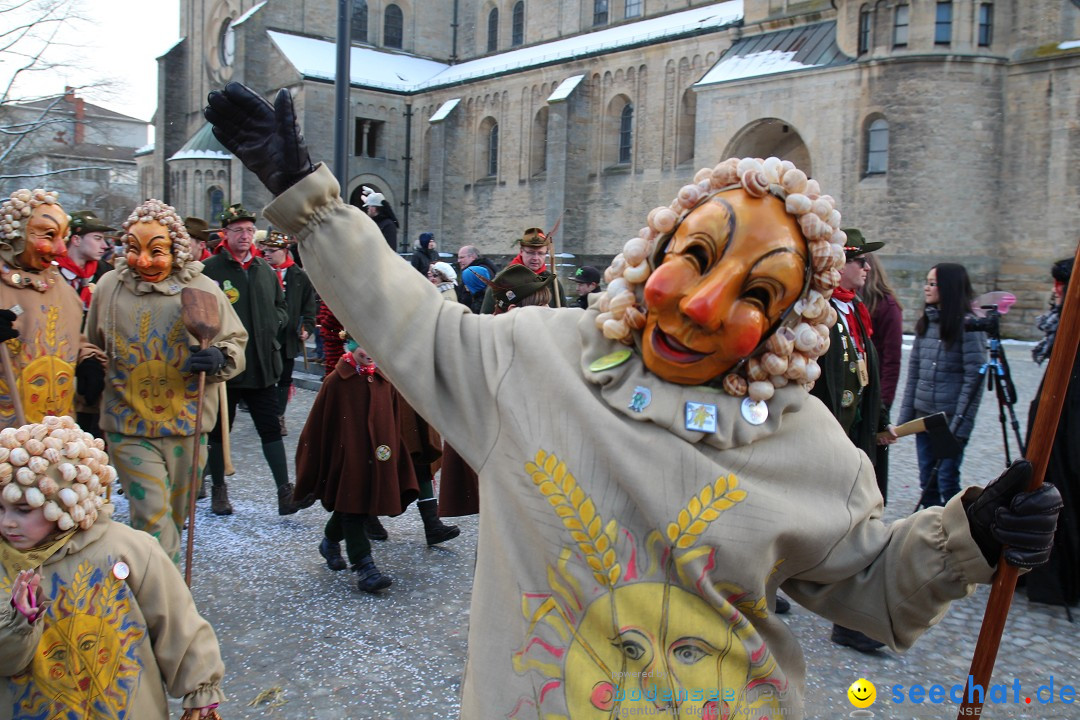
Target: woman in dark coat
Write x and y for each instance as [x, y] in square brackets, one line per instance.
[943, 375]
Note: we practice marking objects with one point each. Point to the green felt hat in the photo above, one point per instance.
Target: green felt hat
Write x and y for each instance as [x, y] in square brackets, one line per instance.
[235, 213]
[856, 244]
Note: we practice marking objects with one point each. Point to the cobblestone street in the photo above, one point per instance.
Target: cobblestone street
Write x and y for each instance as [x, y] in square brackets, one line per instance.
[302, 642]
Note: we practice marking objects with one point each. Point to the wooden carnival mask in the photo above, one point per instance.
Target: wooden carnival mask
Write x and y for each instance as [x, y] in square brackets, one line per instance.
[46, 237]
[149, 251]
[723, 281]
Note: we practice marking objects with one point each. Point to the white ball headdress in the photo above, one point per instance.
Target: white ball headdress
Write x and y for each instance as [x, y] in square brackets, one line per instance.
[56, 466]
[790, 352]
[18, 208]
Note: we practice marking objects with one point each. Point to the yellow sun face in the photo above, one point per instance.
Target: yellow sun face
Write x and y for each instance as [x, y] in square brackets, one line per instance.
[663, 647]
[156, 390]
[47, 387]
[76, 658]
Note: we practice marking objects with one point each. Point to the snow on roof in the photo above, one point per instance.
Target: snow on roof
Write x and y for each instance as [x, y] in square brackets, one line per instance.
[565, 88]
[368, 67]
[246, 15]
[1070, 45]
[762, 63]
[145, 149]
[444, 110]
[200, 155]
[802, 48]
[406, 73]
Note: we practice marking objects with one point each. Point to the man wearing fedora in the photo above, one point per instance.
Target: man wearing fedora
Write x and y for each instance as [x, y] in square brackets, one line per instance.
[82, 266]
[533, 250]
[252, 287]
[300, 301]
[199, 231]
[850, 385]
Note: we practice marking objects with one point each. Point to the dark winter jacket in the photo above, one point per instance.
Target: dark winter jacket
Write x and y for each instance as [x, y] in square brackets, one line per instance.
[300, 303]
[423, 257]
[389, 227]
[256, 297]
[947, 380]
[887, 320]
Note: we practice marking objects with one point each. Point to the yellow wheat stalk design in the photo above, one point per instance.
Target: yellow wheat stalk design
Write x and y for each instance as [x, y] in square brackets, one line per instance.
[578, 514]
[702, 509]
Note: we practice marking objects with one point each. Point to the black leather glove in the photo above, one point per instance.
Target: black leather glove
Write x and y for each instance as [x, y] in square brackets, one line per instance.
[210, 360]
[7, 332]
[1006, 515]
[90, 379]
[265, 137]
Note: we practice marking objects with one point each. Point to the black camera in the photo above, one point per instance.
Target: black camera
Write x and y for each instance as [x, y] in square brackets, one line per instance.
[991, 324]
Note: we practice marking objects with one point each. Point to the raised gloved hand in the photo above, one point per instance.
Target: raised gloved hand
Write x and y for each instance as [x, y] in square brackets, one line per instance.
[265, 137]
[7, 331]
[1006, 515]
[90, 379]
[211, 360]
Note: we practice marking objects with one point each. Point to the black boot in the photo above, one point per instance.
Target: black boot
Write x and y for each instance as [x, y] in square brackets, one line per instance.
[374, 529]
[434, 529]
[201, 495]
[854, 639]
[331, 552]
[370, 580]
[219, 500]
[286, 505]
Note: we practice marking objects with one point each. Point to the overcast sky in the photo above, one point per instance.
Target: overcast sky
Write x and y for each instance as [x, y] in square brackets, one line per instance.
[118, 42]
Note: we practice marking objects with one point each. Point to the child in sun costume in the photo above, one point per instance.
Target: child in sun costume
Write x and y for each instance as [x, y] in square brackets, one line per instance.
[148, 409]
[637, 524]
[96, 622]
[50, 352]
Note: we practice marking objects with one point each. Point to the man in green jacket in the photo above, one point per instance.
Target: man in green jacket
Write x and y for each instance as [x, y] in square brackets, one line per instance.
[252, 287]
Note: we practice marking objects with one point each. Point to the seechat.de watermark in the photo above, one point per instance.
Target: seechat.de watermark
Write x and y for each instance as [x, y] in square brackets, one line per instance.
[1050, 692]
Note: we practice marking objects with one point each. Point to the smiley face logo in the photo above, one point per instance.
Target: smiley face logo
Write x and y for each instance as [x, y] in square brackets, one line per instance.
[862, 693]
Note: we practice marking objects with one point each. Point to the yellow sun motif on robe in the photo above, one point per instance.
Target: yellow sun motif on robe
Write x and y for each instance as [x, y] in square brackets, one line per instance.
[153, 397]
[46, 380]
[628, 630]
[85, 665]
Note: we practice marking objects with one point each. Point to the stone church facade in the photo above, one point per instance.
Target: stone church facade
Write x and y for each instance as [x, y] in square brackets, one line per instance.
[950, 130]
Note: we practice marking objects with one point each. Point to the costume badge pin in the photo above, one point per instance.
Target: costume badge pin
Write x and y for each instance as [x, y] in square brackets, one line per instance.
[382, 452]
[754, 413]
[611, 360]
[230, 292]
[847, 399]
[640, 399]
[121, 570]
[701, 417]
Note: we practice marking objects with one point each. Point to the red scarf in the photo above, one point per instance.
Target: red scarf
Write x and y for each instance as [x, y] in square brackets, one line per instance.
[517, 261]
[289, 262]
[85, 273]
[848, 296]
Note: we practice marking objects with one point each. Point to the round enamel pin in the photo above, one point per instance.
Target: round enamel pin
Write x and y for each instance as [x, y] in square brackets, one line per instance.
[754, 413]
[611, 360]
[382, 453]
[121, 570]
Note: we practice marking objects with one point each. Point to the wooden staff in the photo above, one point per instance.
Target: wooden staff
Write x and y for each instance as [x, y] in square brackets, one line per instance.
[201, 318]
[1054, 386]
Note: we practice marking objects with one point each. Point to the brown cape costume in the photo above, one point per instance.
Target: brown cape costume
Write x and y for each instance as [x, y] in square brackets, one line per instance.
[352, 455]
